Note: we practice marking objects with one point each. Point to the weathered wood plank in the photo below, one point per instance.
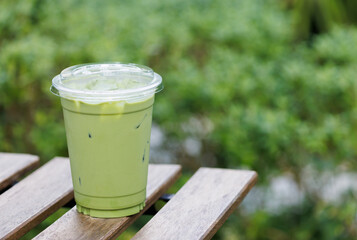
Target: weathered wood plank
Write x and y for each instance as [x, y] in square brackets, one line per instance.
[14, 165]
[74, 225]
[34, 198]
[201, 206]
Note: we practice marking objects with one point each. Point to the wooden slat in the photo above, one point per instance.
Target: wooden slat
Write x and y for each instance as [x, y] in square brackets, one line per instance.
[34, 198]
[74, 225]
[14, 165]
[201, 206]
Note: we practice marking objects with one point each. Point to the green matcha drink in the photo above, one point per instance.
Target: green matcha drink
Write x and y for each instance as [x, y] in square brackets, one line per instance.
[107, 111]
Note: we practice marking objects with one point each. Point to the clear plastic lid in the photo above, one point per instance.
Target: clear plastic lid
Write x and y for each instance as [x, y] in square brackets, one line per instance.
[101, 82]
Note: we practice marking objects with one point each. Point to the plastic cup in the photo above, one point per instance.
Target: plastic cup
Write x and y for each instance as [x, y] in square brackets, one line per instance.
[107, 110]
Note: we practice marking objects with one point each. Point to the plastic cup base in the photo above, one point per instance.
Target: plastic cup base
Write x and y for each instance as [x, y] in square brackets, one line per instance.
[115, 213]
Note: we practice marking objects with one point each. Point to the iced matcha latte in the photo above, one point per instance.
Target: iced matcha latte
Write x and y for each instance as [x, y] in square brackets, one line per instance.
[107, 111]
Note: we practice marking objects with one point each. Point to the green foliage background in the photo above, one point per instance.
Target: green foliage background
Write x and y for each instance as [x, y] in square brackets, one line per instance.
[262, 99]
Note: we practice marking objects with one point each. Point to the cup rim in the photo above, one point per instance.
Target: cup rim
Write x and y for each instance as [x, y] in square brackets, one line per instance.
[88, 70]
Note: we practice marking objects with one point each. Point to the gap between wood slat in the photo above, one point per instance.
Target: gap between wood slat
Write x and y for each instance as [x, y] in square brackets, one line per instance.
[34, 198]
[73, 225]
[15, 165]
[201, 206]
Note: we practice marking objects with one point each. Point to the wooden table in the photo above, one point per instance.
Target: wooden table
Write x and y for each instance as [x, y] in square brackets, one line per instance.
[196, 211]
